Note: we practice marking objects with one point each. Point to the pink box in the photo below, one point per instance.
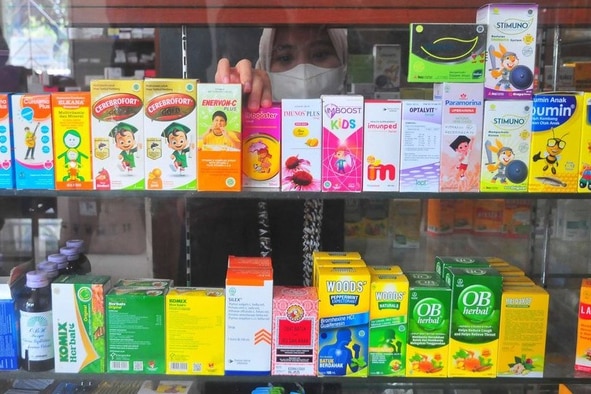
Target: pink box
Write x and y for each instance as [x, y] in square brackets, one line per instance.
[301, 154]
[261, 147]
[381, 150]
[294, 348]
[342, 143]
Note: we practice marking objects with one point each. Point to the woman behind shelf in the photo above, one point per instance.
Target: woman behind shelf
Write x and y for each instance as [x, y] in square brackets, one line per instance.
[294, 62]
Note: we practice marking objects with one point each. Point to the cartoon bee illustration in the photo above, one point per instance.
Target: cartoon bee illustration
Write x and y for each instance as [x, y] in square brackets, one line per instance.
[554, 147]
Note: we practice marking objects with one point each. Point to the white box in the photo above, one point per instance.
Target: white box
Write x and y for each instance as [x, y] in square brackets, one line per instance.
[386, 66]
[420, 146]
[381, 147]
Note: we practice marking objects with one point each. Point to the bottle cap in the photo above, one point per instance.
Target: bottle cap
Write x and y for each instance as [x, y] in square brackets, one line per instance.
[76, 243]
[49, 267]
[37, 279]
[70, 253]
[58, 258]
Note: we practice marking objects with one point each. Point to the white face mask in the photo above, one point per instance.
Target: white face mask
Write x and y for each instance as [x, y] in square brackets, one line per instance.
[307, 81]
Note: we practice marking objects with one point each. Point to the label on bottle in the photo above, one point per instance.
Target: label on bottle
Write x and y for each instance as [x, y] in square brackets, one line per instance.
[36, 335]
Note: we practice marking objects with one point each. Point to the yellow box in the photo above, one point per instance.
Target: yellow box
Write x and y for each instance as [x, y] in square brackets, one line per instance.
[71, 139]
[117, 125]
[335, 263]
[522, 334]
[509, 270]
[219, 122]
[385, 269]
[331, 256]
[583, 350]
[585, 149]
[557, 125]
[170, 133]
[488, 216]
[343, 313]
[440, 216]
[195, 331]
[388, 324]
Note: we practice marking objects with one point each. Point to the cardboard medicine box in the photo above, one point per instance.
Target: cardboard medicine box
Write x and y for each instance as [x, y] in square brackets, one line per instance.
[342, 143]
[78, 305]
[344, 299]
[6, 159]
[522, 336]
[381, 149]
[249, 321]
[475, 321]
[117, 125]
[32, 140]
[72, 141]
[219, 125]
[294, 349]
[429, 305]
[388, 324]
[301, 149]
[443, 262]
[583, 348]
[170, 133]
[137, 348]
[195, 331]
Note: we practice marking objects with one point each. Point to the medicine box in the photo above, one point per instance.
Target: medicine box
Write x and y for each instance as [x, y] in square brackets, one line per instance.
[6, 159]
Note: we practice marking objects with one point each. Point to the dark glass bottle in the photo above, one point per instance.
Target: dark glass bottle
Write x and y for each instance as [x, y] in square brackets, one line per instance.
[61, 261]
[72, 256]
[36, 333]
[83, 261]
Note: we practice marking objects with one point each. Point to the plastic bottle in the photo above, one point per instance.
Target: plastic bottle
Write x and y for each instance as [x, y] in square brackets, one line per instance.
[84, 262]
[36, 339]
[61, 261]
[72, 256]
[49, 268]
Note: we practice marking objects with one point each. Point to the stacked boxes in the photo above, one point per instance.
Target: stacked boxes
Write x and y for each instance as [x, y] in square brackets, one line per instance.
[584, 166]
[583, 349]
[78, 304]
[6, 160]
[117, 126]
[195, 331]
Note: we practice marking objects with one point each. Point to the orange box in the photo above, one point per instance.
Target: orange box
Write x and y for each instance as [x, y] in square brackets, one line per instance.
[219, 125]
[583, 355]
[72, 141]
[488, 216]
[249, 262]
[440, 216]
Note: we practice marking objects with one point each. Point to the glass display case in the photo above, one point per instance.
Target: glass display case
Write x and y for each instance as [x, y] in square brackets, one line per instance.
[187, 235]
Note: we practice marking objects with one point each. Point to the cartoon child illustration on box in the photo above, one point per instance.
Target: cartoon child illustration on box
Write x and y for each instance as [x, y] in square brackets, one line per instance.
[72, 156]
[462, 145]
[124, 136]
[263, 157]
[554, 147]
[176, 136]
[30, 142]
[342, 160]
[340, 355]
[218, 135]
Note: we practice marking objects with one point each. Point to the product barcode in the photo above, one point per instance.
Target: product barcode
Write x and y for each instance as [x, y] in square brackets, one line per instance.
[138, 365]
[196, 367]
[178, 367]
[119, 365]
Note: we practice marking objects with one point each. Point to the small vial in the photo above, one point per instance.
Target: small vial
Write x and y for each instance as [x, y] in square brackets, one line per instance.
[61, 261]
[36, 339]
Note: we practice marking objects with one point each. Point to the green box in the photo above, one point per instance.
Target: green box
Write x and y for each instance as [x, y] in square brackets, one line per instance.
[78, 305]
[136, 330]
[442, 262]
[447, 52]
[429, 307]
[475, 321]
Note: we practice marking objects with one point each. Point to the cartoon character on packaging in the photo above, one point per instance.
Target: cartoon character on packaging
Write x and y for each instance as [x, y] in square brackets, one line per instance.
[462, 145]
[124, 136]
[510, 74]
[176, 136]
[554, 147]
[342, 160]
[72, 156]
[506, 166]
[30, 142]
[263, 157]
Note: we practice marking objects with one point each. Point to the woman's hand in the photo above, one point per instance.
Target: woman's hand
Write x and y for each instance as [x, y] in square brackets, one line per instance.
[255, 83]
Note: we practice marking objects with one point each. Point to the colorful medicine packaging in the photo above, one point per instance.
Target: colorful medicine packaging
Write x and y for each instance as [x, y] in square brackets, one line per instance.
[583, 348]
[585, 153]
[79, 324]
[301, 149]
[219, 125]
[511, 40]
[557, 127]
[294, 349]
[461, 135]
[72, 141]
[388, 324]
[342, 143]
[381, 146]
[6, 160]
[261, 148]
[344, 299]
[32, 139]
[421, 146]
[429, 304]
[447, 52]
[117, 127]
[195, 331]
[507, 134]
[170, 133]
